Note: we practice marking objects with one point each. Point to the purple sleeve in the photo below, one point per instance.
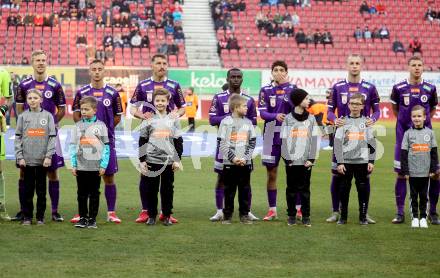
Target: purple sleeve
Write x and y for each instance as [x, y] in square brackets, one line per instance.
[20, 96]
[214, 118]
[252, 112]
[137, 95]
[76, 100]
[178, 98]
[262, 107]
[117, 104]
[331, 105]
[434, 99]
[375, 100]
[395, 96]
[59, 97]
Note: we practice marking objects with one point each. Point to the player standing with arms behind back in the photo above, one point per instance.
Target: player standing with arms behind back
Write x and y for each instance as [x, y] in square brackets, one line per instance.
[54, 101]
[405, 95]
[5, 92]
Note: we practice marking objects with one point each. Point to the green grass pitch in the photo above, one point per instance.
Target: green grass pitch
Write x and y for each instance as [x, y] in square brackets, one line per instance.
[198, 248]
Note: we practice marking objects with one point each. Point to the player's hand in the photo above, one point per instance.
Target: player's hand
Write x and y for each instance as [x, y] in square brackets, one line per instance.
[74, 172]
[406, 177]
[370, 167]
[147, 115]
[280, 117]
[101, 172]
[308, 164]
[144, 168]
[22, 163]
[341, 169]
[47, 161]
[236, 161]
[176, 166]
[339, 122]
[242, 162]
[174, 115]
[370, 122]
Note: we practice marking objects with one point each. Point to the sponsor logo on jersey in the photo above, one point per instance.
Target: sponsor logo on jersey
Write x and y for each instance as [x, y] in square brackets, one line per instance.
[355, 136]
[157, 86]
[353, 89]
[98, 94]
[299, 133]
[415, 90]
[365, 85]
[238, 136]
[279, 92]
[88, 141]
[172, 85]
[36, 132]
[420, 148]
[39, 87]
[427, 88]
[161, 133]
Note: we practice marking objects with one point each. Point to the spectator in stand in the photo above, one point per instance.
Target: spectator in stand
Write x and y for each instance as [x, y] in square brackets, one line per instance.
[273, 3]
[278, 18]
[222, 44]
[25, 61]
[73, 14]
[177, 15]
[327, 38]
[108, 40]
[126, 37]
[100, 22]
[381, 8]
[430, 15]
[173, 48]
[364, 8]
[12, 20]
[64, 14]
[295, 19]
[109, 53]
[300, 38]
[125, 21]
[229, 25]
[47, 20]
[167, 14]
[81, 41]
[169, 28]
[264, 2]
[219, 23]
[29, 19]
[384, 33]
[288, 29]
[375, 34]
[415, 46]
[261, 20]
[373, 9]
[358, 34]
[163, 48]
[91, 4]
[367, 33]
[145, 41]
[38, 20]
[150, 21]
[100, 53]
[107, 17]
[270, 30]
[179, 36]
[117, 20]
[317, 37]
[136, 40]
[232, 43]
[117, 41]
[287, 17]
[242, 6]
[398, 46]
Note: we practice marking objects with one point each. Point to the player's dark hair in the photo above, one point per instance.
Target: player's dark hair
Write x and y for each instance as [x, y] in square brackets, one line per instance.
[89, 100]
[415, 58]
[158, 55]
[231, 70]
[236, 100]
[161, 92]
[358, 96]
[419, 108]
[279, 63]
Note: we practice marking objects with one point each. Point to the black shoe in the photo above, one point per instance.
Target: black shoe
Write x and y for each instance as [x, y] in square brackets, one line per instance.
[151, 221]
[433, 218]
[91, 223]
[342, 221]
[399, 219]
[167, 221]
[82, 223]
[291, 220]
[306, 221]
[18, 217]
[363, 221]
[57, 217]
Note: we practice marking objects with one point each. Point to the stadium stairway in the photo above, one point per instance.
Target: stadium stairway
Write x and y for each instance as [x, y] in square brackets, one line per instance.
[200, 39]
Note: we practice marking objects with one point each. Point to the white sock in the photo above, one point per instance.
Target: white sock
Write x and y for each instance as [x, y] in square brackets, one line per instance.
[274, 209]
[298, 207]
[220, 211]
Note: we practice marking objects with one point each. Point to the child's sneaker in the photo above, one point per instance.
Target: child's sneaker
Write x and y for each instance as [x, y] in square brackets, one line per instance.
[415, 223]
[26, 222]
[57, 217]
[167, 221]
[112, 217]
[75, 219]
[218, 216]
[333, 218]
[306, 222]
[227, 221]
[423, 223]
[151, 221]
[341, 221]
[18, 217]
[40, 221]
[173, 220]
[291, 220]
[252, 217]
[82, 223]
[91, 224]
[143, 217]
[433, 218]
[399, 219]
[4, 216]
[299, 214]
[363, 222]
[370, 220]
[271, 215]
[245, 220]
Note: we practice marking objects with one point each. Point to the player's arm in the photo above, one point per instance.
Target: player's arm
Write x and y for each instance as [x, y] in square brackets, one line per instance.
[60, 102]
[331, 106]
[196, 100]
[144, 137]
[404, 168]
[338, 145]
[136, 102]
[214, 118]
[375, 100]
[394, 99]
[76, 108]
[433, 103]
[20, 99]
[6, 88]
[262, 107]
[117, 109]
[252, 112]
[179, 101]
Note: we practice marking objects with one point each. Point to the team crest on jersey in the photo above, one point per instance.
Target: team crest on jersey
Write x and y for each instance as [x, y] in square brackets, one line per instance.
[344, 99]
[272, 101]
[424, 98]
[427, 138]
[362, 126]
[406, 100]
[43, 122]
[149, 97]
[106, 102]
[48, 94]
[96, 131]
[226, 107]
[306, 123]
